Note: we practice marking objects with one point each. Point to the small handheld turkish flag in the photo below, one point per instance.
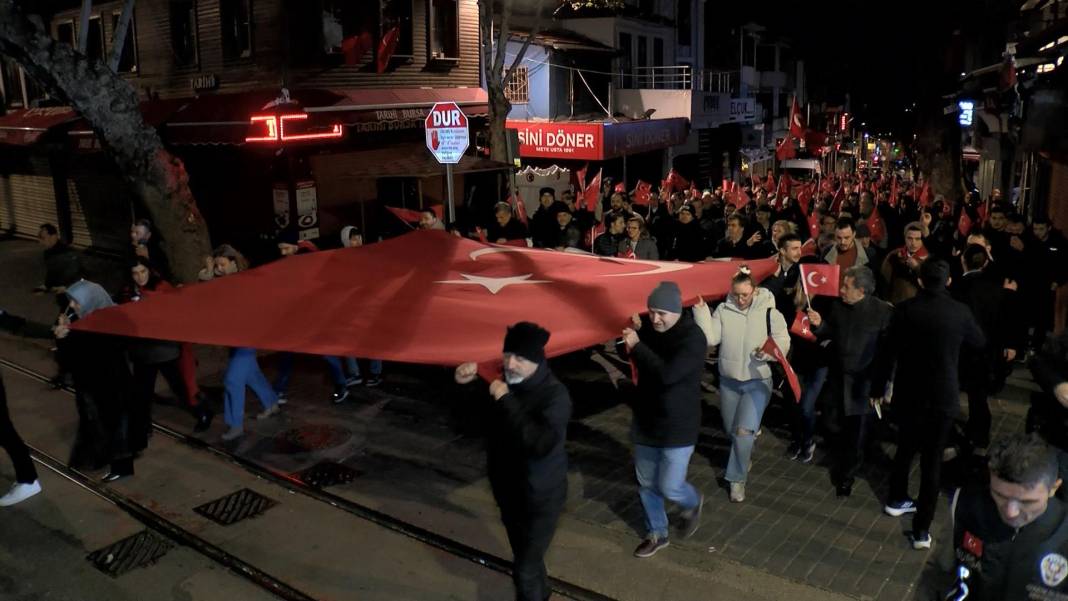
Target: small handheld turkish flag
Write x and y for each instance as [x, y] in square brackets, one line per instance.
[809, 248]
[592, 194]
[819, 279]
[964, 224]
[770, 348]
[642, 193]
[802, 328]
[620, 187]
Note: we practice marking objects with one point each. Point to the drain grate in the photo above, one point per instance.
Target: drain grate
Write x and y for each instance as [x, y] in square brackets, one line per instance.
[327, 473]
[235, 507]
[137, 551]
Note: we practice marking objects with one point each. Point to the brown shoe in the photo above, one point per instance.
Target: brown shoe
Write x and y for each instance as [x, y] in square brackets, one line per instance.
[650, 546]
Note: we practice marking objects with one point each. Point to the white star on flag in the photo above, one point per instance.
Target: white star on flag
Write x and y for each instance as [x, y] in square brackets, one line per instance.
[495, 285]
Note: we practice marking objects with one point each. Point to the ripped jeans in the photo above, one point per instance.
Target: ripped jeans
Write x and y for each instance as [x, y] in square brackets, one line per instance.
[742, 405]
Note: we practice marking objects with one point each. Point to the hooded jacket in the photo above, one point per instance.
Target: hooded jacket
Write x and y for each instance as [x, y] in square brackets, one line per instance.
[739, 332]
[90, 296]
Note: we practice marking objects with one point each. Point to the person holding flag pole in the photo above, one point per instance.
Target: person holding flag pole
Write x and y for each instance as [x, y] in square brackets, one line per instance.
[857, 326]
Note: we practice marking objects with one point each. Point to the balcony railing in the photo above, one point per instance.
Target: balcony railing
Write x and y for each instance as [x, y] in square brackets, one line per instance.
[679, 77]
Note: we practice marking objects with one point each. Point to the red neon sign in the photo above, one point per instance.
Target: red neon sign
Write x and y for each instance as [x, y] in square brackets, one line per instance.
[276, 129]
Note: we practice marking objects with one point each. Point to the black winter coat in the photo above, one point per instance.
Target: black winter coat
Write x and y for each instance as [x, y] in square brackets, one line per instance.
[667, 404]
[1004, 563]
[926, 336]
[525, 452]
[104, 395]
[857, 352]
[999, 315]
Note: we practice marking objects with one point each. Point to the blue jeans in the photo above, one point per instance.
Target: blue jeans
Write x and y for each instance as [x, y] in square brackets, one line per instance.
[662, 475]
[811, 386]
[742, 405]
[242, 371]
[285, 371]
[354, 367]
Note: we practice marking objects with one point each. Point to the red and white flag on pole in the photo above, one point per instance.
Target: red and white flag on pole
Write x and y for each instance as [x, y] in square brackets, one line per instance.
[592, 193]
[770, 348]
[802, 328]
[797, 123]
[642, 193]
[964, 224]
[819, 280]
[520, 209]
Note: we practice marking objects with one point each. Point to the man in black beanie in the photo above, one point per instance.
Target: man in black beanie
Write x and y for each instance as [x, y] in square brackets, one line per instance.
[670, 358]
[525, 452]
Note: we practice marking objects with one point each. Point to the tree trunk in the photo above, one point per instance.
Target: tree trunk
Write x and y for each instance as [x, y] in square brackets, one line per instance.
[938, 154]
[110, 105]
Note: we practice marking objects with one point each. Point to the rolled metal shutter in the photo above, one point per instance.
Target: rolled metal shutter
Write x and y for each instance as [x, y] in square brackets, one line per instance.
[27, 198]
[100, 204]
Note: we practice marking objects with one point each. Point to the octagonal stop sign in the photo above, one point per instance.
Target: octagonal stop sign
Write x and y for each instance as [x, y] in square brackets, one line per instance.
[446, 132]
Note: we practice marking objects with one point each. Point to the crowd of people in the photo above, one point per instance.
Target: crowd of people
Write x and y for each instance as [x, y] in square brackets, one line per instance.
[934, 299]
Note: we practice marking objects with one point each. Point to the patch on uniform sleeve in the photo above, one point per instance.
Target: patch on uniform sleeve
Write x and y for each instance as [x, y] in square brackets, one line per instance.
[1054, 569]
[972, 544]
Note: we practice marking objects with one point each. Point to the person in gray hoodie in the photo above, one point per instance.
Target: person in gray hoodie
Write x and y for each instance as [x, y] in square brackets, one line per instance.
[102, 384]
[739, 326]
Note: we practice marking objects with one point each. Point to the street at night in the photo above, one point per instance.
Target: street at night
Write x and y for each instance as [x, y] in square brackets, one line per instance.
[603, 300]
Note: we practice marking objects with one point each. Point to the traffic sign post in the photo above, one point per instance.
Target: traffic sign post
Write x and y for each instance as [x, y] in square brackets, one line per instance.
[447, 138]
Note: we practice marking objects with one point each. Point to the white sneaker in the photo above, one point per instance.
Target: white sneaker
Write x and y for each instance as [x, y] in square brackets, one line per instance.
[737, 492]
[282, 400]
[233, 433]
[20, 492]
[269, 412]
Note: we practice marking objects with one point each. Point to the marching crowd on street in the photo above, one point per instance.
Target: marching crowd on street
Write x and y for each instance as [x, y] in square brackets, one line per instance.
[933, 299]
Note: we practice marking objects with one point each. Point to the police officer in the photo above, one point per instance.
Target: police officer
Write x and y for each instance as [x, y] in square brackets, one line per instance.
[1011, 538]
[525, 452]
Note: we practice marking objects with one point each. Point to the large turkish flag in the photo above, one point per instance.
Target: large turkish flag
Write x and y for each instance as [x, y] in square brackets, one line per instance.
[424, 297]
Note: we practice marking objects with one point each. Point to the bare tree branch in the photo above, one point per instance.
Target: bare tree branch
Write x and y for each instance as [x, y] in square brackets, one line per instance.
[535, 30]
[502, 37]
[83, 26]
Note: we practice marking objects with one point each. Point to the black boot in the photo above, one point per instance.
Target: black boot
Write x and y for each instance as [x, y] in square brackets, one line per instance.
[204, 417]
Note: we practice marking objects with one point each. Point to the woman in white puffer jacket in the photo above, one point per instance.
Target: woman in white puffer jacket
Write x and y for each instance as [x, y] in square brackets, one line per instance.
[739, 327]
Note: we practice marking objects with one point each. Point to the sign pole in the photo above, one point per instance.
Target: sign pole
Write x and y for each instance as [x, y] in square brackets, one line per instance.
[448, 185]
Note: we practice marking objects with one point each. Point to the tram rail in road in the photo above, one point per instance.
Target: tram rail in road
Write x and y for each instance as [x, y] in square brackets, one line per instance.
[291, 484]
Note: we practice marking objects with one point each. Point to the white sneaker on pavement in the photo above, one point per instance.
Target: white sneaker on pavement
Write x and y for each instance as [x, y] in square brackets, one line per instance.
[233, 433]
[737, 492]
[269, 412]
[20, 492]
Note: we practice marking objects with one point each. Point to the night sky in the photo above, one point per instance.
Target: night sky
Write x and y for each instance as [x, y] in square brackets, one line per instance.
[886, 55]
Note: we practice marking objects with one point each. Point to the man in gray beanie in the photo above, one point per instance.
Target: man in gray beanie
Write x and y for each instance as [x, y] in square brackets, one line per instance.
[669, 357]
[525, 452]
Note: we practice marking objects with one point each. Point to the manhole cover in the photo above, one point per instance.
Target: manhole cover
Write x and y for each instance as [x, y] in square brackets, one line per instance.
[140, 550]
[311, 437]
[327, 473]
[235, 507]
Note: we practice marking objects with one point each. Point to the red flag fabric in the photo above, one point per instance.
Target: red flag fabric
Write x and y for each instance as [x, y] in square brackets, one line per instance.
[982, 214]
[694, 192]
[893, 193]
[620, 187]
[797, 123]
[481, 235]
[809, 248]
[457, 296]
[785, 149]
[819, 280]
[676, 181]
[595, 231]
[785, 185]
[592, 194]
[519, 208]
[814, 225]
[801, 327]
[836, 202]
[578, 183]
[804, 198]
[964, 224]
[642, 193]
[876, 225]
[769, 183]
[408, 216]
[387, 47]
[925, 194]
[770, 348]
[353, 48]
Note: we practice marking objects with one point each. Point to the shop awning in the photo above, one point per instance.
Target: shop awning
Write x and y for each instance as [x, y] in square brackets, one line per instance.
[24, 127]
[597, 140]
[404, 161]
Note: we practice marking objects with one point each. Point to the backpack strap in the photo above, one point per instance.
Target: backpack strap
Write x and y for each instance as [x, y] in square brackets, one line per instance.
[768, 319]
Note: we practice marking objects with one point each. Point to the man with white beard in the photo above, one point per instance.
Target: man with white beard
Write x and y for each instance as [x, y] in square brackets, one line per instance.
[525, 452]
